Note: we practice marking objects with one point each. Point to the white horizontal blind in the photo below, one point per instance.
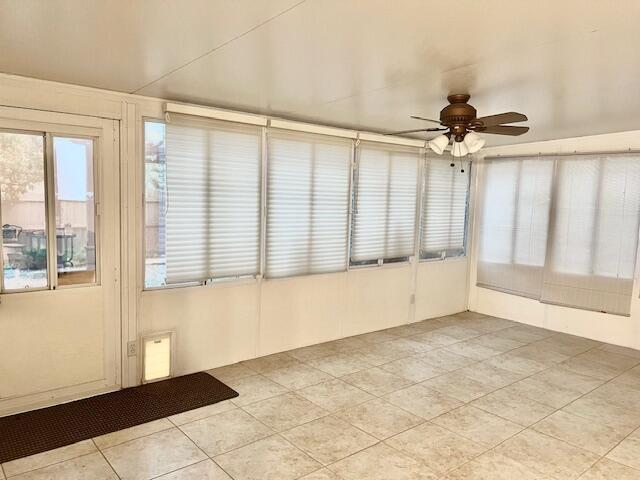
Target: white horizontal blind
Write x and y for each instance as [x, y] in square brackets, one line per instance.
[385, 207]
[213, 206]
[594, 234]
[516, 195]
[444, 209]
[307, 203]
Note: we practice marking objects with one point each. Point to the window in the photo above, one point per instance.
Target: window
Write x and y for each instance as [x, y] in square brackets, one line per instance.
[48, 220]
[594, 233]
[576, 247]
[514, 224]
[74, 210]
[444, 209]
[155, 208]
[23, 214]
[208, 189]
[322, 211]
[307, 203]
[386, 181]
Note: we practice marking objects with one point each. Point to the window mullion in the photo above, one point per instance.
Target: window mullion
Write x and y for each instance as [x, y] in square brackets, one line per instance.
[390, 163]
[351, 207]
[516, 212]
[551, 227]
[263, 203]
[421, 189]
[595, 232]
[50, 212]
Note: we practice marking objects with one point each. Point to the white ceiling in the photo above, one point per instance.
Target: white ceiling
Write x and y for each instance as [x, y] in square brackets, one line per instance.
[573, 66]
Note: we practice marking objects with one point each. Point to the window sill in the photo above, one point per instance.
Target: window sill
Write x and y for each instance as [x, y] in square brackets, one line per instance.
[355, 268]
[236, 282]
[463, 258]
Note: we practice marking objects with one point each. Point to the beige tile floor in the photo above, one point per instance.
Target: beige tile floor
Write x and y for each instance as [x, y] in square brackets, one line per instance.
[462, 397]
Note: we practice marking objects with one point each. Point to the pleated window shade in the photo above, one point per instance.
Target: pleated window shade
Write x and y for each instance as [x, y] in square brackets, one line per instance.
[307, 203]
[444, 209]
[594, 233]
[514, 221]
[385, 203]
[213, 207]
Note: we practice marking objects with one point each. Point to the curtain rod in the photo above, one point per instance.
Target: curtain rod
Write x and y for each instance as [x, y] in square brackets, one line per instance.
[568, 154]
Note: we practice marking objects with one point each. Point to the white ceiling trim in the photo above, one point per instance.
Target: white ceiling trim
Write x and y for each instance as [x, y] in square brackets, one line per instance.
[215, 113]
[374, 137]
[312, 128]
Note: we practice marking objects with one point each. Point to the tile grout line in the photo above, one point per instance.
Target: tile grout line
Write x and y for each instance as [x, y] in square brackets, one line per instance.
[547, 416]
[53, 463]
[134, 438]
[421, 423]
[106, 459]
[469, 404]
[617, 444]
[524, 428]
[274, 433]
[182, 468]
[329, 413]
[610, 460]
[504, 387]
[412, 383]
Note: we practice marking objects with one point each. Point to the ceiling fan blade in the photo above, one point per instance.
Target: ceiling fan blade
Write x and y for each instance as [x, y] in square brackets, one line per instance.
[415, 117]
[504, 130]
[500, 118]
[401, 132]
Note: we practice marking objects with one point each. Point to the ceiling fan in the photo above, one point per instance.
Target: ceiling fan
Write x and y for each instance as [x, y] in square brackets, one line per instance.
[459, 121]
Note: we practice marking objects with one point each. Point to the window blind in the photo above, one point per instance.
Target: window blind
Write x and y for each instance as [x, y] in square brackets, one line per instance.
[213, 204]
[594, 233]
[444, 209]
[514, 218]
[385, 205]
[307, 203]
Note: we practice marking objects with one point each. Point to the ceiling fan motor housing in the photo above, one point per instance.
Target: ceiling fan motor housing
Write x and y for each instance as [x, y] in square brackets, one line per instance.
[458, 115]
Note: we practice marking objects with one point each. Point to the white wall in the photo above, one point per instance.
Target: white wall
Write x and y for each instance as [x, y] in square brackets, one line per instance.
[614, 329]
[221, 324]
[214, 325]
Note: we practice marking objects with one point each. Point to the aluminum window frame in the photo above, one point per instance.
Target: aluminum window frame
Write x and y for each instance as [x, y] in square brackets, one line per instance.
[49, 131]
[389, 261]
[445, 258]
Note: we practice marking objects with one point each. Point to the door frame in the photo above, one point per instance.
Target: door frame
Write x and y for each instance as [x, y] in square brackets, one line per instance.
[107, 158]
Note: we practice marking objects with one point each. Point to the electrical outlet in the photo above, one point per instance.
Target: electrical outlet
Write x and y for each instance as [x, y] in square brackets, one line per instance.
[412, 299]
[131, 349]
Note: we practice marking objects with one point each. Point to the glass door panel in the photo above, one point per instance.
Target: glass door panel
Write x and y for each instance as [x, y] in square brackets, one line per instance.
[75, 213]
[23, 211]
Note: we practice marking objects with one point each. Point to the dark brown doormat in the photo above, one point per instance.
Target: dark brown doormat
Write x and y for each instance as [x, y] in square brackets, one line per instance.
[32, 432]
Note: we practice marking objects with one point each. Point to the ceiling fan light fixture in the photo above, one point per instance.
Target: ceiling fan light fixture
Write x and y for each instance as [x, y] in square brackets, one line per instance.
[459, 149]
[473, 142]
[438, 144]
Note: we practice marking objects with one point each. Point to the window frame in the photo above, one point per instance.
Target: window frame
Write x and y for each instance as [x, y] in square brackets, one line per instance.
[264, 238]
[557, 158]
[143, 236]
[389, 261]
[49, 131]
[465, 242]
[262, 208]
[96, 207]
[353, 196]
